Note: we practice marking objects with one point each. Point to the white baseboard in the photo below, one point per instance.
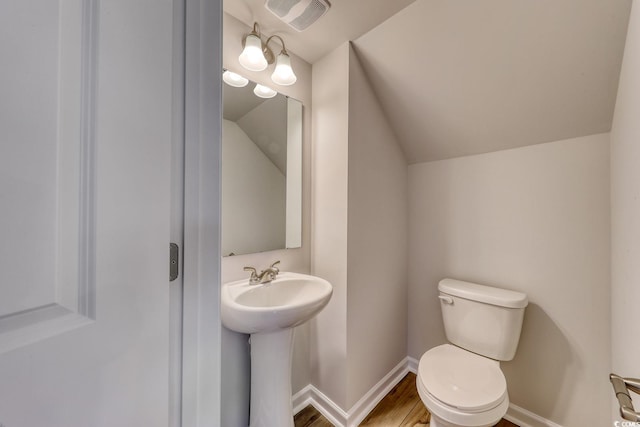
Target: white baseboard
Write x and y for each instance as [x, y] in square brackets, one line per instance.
[361, 409]
[412, 364]
[301, 399]
[340, 418]
[524, 418]
[336, 415]
[314, 397]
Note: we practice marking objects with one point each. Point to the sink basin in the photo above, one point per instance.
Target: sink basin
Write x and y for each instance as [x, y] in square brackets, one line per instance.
[286, 302]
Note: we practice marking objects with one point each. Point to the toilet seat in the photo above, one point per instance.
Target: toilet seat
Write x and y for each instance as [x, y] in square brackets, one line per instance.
[462, 379]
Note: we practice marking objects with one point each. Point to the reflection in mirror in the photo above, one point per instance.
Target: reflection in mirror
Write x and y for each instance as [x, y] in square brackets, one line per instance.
[261, 172]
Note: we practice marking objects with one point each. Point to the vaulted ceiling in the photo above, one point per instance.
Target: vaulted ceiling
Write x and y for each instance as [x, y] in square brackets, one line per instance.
[264, 121]
[460, 77]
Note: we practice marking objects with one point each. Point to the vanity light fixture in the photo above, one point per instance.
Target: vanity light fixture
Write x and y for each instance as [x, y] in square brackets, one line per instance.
[253, 55]
[264, 91]
[257, 55]
[283, 73]
[233, 79]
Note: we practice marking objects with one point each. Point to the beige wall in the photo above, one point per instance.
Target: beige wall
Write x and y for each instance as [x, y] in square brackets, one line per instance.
[377, 241]
[625, 212]
[536, 220]
[235, 350]
[359, 233]
[330, 117]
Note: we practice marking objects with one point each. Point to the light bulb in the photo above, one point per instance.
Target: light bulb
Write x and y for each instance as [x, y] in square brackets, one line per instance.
[264, 91]
[252, 57]
[233, 79]
[283, 73]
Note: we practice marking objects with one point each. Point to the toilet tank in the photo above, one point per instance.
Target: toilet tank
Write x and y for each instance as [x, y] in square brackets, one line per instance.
[482, 319]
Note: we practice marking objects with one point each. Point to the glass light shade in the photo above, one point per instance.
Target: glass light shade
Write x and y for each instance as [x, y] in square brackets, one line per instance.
[283, 74]
[233, 79]
[252, 57]
[264, 91]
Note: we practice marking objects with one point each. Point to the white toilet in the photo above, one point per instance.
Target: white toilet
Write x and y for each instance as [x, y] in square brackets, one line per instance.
[462, 384]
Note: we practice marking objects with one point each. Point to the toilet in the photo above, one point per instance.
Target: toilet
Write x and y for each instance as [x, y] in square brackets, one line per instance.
[461, 383]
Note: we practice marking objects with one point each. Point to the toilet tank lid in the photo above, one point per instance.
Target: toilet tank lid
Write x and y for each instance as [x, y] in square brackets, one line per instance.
[481, 293]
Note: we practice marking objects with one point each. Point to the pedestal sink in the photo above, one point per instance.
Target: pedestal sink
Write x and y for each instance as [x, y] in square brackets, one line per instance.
[269, 312]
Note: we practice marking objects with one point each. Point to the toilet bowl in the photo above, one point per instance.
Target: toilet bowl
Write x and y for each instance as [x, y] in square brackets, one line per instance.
[461, 388]
[461, 383]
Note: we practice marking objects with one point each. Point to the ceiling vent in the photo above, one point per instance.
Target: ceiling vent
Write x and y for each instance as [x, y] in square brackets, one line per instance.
[298, 14]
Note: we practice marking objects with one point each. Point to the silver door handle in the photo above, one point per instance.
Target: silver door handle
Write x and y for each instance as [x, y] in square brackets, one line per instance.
[621, 387]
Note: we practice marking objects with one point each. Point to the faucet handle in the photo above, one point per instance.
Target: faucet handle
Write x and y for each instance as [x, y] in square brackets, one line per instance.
[254, 274]
[274, 266]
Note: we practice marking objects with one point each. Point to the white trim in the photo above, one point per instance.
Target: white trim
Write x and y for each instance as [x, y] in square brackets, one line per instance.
[361, 409]
[302, 399]
[314, 397]
[413, 365]
[310, 395]
[524, 418]
[202, 327]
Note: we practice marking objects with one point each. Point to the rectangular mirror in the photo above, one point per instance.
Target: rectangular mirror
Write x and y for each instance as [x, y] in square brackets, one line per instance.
[261, 172]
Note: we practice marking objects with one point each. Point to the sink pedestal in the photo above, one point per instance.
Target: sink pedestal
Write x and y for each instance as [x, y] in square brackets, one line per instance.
[271, 379]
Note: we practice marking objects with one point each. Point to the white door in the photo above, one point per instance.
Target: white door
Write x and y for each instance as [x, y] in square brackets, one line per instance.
[85, 136]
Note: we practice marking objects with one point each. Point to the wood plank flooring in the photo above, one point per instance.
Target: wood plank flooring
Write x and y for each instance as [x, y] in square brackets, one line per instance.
[402, 407]
[310, 417]
[396, 407]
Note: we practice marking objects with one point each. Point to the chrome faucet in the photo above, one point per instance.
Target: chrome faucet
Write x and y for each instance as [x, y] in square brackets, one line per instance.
[265, 276]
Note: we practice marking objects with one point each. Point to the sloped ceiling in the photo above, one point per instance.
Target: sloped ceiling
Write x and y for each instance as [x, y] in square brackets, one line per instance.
[266, 125]
[238, 101]
[264, 121]
[460, 77]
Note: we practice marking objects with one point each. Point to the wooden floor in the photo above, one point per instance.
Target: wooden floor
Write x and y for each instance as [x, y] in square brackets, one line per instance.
[402, 407]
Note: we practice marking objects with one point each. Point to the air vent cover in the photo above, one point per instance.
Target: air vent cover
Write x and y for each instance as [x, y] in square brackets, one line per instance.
[299, 14]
